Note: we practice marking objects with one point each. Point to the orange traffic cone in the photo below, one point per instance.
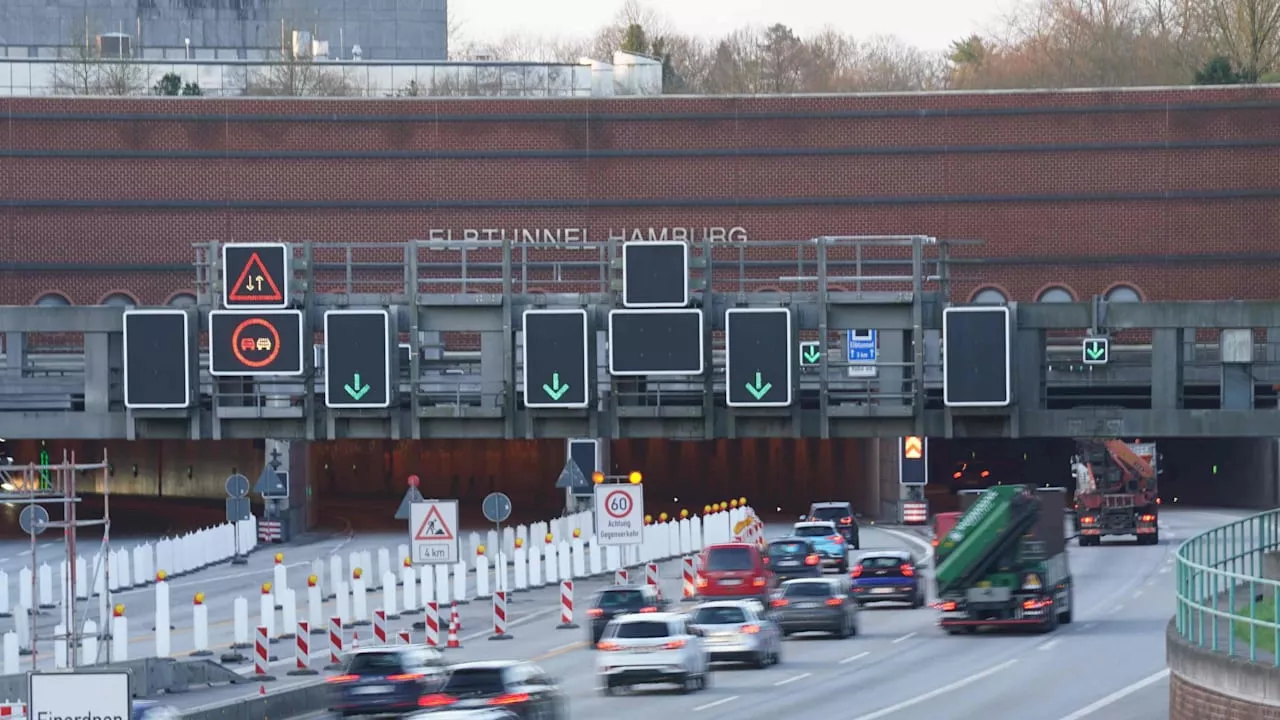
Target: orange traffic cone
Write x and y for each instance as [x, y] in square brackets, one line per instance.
[453, 637]
[262, 689]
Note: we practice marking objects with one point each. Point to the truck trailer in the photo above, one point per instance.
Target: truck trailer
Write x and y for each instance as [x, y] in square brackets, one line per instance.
[1004, 562]
[1116, 491]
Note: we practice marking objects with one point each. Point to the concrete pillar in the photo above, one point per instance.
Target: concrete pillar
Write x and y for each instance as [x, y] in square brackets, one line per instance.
[15, 348]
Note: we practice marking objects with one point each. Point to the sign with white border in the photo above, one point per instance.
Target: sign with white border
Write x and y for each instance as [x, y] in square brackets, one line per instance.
[96, 694]
[619, 514]
[434, 532]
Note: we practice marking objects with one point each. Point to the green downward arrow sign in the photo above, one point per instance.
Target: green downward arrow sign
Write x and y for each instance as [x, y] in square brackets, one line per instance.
[555, 390]
[355, 388]
[1095, 350]
[812, 354]
[760, 389]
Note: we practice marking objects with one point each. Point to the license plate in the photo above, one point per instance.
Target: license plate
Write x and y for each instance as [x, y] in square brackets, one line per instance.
[806, 605]
[789, 563]
[730, 582]
[881, 591]
[375, 690]
[644, 649]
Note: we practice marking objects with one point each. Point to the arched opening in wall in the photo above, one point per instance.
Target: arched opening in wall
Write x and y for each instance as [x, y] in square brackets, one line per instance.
[182, 300]
[1056, 294]
[53, 300]
[989, 296]
[119, 300]
[1123, 293]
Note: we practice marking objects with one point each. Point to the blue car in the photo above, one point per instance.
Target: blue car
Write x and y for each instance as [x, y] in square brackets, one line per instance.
[828, 541]
[887, 576]
[389, 680]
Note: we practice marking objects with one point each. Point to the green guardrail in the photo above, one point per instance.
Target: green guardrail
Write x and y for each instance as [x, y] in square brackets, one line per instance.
[1223, 602]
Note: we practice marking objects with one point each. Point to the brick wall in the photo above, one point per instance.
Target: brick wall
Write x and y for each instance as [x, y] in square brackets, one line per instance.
[1188, 701]
[1105, 187]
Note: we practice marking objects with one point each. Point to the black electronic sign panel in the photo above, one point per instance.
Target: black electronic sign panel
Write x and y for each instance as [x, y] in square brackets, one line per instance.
[157, 359]
[655, 274]
[655, 342]
[555, 358]
[250, 343]
[358, 358]
[913, 460]
[586, 453]
[255, 275]
[976, 356]
[759, 352]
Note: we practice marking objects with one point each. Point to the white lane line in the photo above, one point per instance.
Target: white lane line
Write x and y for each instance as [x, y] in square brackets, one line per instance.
[908, 636]
[1118, 695]
[1137, 595]
[936, 692]
[716, 703]
[1165, 569]
[1047, 645]
[1115, 609]
[924, 545]
[792, 679]
[853, 658]
[1088, 626]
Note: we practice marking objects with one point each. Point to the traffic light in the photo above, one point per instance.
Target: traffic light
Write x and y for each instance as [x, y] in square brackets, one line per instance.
[913, 461]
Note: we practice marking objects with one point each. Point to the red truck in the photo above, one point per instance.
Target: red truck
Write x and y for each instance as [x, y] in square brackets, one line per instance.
[942, 524]
[1116, 492]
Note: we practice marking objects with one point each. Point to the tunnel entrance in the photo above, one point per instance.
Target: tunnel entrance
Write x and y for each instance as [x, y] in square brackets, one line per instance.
[956, 465]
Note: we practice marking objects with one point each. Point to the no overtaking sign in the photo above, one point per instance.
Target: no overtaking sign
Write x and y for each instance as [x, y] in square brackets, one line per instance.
[619, 514]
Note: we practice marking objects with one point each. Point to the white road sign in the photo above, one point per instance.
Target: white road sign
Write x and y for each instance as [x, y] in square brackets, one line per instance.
[619, 514]
[96, 695]
[433, 530]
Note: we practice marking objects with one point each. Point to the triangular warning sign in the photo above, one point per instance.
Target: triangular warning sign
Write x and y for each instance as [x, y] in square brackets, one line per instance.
[255, 284]
[433, 527]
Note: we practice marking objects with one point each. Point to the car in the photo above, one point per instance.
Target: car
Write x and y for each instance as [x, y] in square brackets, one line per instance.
[840, 513]
[517, 686]
[793, 557]
[621, 600]
[887, 576]
[817, 604]
[649, 648]
[830, 544]
[738, 631]
[477, 714]
[383, 680]
[734, 570]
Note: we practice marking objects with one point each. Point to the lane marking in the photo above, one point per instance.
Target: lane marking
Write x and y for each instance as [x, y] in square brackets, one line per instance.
[908, 636]
[792, 679]
[1088, 626]
[936, 692]
[715, 703]
[1047, 645]
[562, 649]
[913, 539]
[852, 658]
[1118, 695]
[1138, 594]
[1115, 609]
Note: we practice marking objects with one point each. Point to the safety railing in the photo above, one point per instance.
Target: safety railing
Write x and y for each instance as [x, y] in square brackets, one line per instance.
[1223, 602]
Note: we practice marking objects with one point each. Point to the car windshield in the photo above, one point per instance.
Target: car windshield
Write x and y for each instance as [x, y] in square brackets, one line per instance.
[382, 663]
[641, 630]
[883, 562]
[788, 548]
[809, 589]
[482, 680]
[730, 558]
[621, 600]
[815, 531]
[831, 513]
[719, 616]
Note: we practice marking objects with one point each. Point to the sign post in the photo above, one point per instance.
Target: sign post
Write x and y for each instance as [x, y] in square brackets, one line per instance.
[433, 530]
[619, 513]
[862, 353]
[237, 511]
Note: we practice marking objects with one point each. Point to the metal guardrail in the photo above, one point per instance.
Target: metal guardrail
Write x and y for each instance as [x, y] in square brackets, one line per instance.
[1223, 602]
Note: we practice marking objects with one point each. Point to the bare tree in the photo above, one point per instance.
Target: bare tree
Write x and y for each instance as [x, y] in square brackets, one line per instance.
[299, 76]
[81, 71]
[1247, 32]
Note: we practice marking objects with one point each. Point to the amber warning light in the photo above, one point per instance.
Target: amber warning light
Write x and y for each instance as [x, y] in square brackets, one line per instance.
[913, 447]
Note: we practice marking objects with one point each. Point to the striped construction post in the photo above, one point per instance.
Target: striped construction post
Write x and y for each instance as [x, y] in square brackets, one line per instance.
[302, 650]
[431, 622]
[262, 654]
[380, 626]
[688, 588]
[335, 643]
[620, 576]
[500, 617]
[402, 638]
[566, 606]
[651, 574]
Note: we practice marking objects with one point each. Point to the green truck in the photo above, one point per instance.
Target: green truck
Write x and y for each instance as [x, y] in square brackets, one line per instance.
[1004, 563]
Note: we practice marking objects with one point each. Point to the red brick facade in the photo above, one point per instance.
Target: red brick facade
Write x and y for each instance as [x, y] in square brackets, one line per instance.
[1188, 701]
[1170, 191]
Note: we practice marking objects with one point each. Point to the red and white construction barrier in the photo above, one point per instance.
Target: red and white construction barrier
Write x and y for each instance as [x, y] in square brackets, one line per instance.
[380, 626]
[688, 586]
[431, 623]
[403, 638]
[269, 531]
[13, 710]
[651, 574]
[620, 576]
[500, 617]
[302, 650]
[566, 606]
[262, 654]
[335, 643]
[453, 637]
[915, 512]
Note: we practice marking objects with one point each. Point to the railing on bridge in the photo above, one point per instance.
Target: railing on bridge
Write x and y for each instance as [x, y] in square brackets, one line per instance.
[1224, 604]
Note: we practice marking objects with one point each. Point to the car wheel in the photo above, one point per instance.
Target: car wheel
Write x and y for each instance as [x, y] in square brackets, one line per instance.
[607, 689]
[704, 680]
[688, 684]
[918, 601]
[843, 632]
[761, 660]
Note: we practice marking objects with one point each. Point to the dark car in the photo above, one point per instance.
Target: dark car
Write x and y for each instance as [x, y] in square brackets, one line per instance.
[887, 576]
[840, 513]
[388, 680]
[816, 605]
[477, 714]
[793, 557]
[513, 685]
[734, 570]
[621, 600]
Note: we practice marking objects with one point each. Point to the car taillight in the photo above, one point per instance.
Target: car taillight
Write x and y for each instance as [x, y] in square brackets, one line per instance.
[1148, 518]
[510, 699]
[1086, 520]
[812, 560]
[758, 582]
[702, 581]
[779, 603]
[947, 606]
[649, 609]
[835, 602]
[405, 677]
[856, 571]
[595, 612]
[935, 542]
[674, 645]
[607, 646]
[343, 678]
[765, 560]
[906, 570]
[432, 701]
[836, 539]
[751, 629]
[1035, 604]
[847, 520]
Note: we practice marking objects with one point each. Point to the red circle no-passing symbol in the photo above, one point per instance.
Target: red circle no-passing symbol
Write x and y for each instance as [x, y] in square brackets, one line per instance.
[618, 504]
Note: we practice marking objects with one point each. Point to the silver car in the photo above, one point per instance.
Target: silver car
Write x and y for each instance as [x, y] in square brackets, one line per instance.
[738, 631]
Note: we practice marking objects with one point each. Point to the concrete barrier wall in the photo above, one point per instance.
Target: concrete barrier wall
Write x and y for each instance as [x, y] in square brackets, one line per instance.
[1206, 684]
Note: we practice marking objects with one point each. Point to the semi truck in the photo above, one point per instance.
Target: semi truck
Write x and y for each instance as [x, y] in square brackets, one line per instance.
[1004, 562]
[1116, 491]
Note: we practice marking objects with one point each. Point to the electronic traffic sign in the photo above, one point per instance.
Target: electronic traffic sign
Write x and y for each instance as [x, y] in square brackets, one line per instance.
[1096, 351]
[913, 460]
[255, 275]
[975, 356]
[759, 354]
[157, 359]
[655, 342]
[255, 342]
[358, 358]
[655, 274]
[555, 358]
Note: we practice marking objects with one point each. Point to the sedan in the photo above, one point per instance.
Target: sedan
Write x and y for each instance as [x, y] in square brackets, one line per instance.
[517, 686]
[378, 681]
[792, 558]
[820, 605]
[738, 631]
[887, 575]
[827, 539]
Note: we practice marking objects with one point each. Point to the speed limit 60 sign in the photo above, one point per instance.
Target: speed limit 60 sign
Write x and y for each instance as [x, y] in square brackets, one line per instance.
[619, 514]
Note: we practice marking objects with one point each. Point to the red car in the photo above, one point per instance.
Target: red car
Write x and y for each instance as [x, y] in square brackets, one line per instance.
[734, 570]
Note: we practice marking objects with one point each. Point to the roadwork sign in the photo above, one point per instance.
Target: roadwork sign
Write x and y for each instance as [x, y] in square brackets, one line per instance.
[433, 529]
[619, 514]
[96, 694]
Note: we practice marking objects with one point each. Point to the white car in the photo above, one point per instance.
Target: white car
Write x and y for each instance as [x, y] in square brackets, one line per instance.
[739, 631]
[647, 648]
